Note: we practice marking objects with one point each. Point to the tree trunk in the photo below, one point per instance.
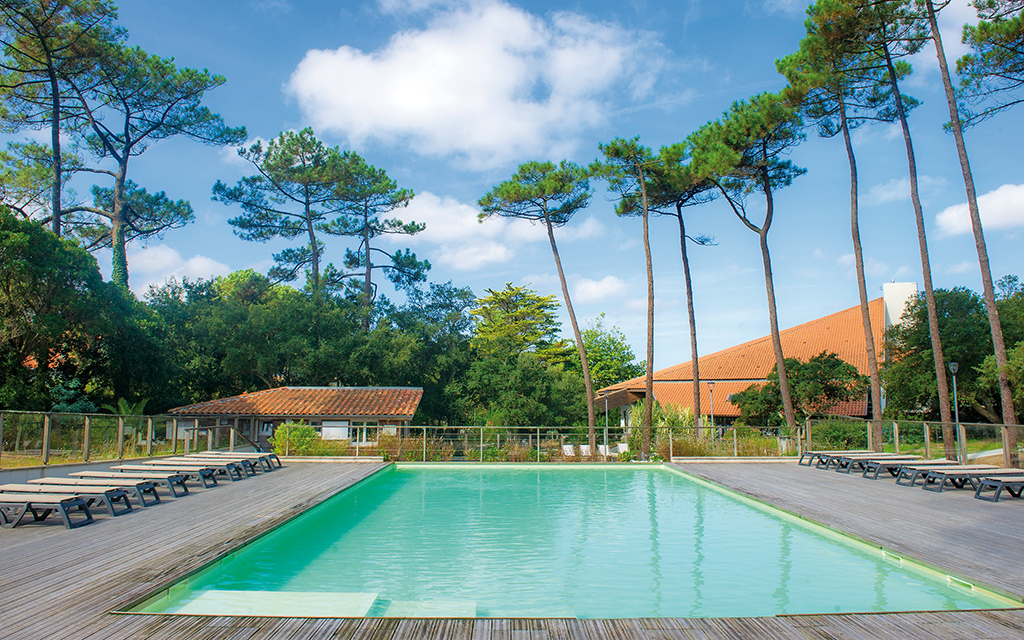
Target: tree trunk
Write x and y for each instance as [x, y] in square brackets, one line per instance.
[55, 203]
[1010, 458]
[862, 290]
[773, 320]
[649, 375]
[367, 282]
[942, 386]
[314, 248]
[118, 241]
[591, 418]
[693, 322]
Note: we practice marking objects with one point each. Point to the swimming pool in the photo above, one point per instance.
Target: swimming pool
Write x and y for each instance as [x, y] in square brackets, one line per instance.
[555, 541]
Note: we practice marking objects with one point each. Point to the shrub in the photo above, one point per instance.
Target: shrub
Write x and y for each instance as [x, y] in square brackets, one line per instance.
[294, 438]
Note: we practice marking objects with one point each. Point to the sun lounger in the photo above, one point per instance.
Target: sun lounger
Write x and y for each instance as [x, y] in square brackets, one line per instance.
[939, 479]
[248, 467]
[107, 497]
[1014, 485]
[826, 461]
[846, 464]
[811, 456]
[174, 482]
[913, 473]
[15, 506]
[874, 467]
[203, 474]
[135, 487]
[269, 458]
[232, 470]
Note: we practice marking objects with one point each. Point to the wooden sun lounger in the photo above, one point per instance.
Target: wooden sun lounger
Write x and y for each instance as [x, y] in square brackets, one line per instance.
[15, 506]
[939, 479]
[268, 458]
[846, 464]
[1014, 485]
[232, 470]
[828, 460]
[173, 481]
[135, 487]
[913, 473]
[816, 455]
[107, 497]
[203, 474]
[874, 467]
[249, 467]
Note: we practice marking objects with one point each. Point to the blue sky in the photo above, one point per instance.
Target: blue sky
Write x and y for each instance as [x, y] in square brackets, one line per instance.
[450, 97]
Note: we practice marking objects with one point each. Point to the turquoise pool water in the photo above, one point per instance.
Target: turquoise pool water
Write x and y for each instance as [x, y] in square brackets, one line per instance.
[533, 541]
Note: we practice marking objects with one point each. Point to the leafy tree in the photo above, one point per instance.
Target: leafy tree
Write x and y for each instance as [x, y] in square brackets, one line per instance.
[910, 387]
[53, 317]
[839, 85]
[742, 154]
[993, 73]
[988, 290]
[294, 193]
[365, 197]
[45, 44]
[139, 99]
[542, 192]
[513, 389]
[518, 320]
[611, 358]
[26, 180]
[625, 168]
[672, 188]
[818, 385]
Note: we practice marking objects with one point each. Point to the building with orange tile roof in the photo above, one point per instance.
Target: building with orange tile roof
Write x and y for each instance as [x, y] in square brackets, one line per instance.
[734, 369]
[333, 410]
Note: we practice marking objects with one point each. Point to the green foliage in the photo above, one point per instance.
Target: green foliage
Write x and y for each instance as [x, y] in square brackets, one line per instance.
[816, 386]
[518, 320]
[609, 355]
[540, 191]
[993, 73]
[839, 435]
[521, 390]
[294, 438]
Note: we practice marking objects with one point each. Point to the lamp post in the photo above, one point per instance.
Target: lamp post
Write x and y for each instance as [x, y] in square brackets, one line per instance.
[956, 412]
[711, 392]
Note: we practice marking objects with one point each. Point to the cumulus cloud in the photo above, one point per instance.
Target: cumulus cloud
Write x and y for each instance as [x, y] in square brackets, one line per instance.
[898, 189]
[1000, 209]
[485, 84]
[154, 265]
[963, 267]
[588, 290]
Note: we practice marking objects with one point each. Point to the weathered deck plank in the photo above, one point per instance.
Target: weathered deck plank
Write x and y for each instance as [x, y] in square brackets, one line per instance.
[118, 560]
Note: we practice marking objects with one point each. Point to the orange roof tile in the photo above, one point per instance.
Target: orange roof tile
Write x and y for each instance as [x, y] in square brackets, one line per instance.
[383, 402]
[736, 368]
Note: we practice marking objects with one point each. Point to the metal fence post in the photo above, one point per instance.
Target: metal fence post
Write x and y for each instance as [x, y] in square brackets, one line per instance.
[735, 444]
[120, 437]
[963, 442]
[424, 444]
[174, 428]
[670, 443]
[808, 436]
[287, 440]
[896, 435]
[538, 441]
[481, 444]
[927, 441]
[86, 436]
[1, 434]
[231, 438]
[46, 438]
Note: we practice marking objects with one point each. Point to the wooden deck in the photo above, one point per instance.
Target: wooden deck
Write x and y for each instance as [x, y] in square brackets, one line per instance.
[60, 584]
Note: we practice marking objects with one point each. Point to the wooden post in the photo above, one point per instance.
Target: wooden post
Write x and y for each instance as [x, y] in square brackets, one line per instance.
[1008, 457]
[810, 446]
[86, 435]
[120, 437]
[209, 439]
[896, 435]
[231, 437]
[149, 436]
[927, 441]
[46, 438]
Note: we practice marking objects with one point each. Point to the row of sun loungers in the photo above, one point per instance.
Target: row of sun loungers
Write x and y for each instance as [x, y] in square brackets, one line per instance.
[934, 475]
[73, 498]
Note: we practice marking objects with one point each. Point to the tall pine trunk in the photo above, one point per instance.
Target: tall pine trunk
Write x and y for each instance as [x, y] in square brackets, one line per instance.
[367, 282]
[942, 386]
[1005, 393]
[695, 368]
[55, 203]
[118, 241]
[649, 375]
[862, 290]
[591, 418]
[773, 320]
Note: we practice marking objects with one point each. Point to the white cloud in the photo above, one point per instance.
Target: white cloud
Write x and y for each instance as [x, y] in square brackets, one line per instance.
[964, 267]
[1000, 209]
[487, 84]
[588, 290]
[898, 189]
[455, 238]
[154, 265]
[872, 267]
[789, 7]
[590, 228]
[905, 271]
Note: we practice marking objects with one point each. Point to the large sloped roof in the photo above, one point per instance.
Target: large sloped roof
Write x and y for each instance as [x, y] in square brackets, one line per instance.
[383, 402]
[736, 368]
